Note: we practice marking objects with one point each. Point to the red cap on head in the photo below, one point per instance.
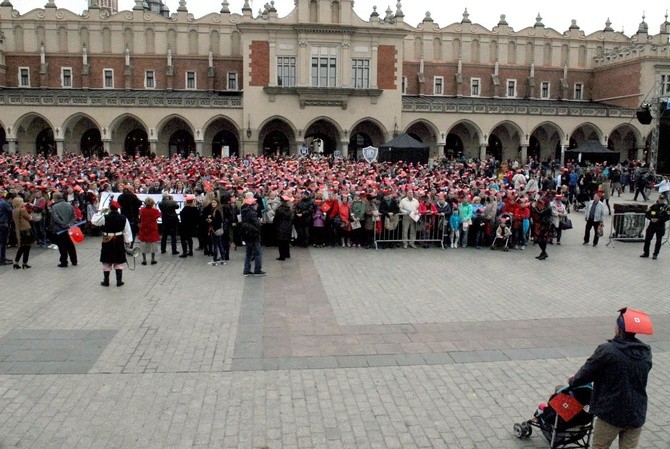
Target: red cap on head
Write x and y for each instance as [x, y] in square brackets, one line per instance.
[114, 205]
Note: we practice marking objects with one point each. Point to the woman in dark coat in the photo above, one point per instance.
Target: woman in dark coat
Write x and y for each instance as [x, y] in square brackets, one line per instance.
[542, 233]
[116, 235]
[188, 226]
[218, 228]
[283, 224]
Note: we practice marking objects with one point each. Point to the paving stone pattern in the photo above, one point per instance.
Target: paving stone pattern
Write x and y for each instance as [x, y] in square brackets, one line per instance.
[336, 348]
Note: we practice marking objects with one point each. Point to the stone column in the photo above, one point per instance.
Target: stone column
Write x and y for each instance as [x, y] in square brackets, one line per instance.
[640, 154]
[13, 148]
[482, 151]
[199, 145]
[562, 155]
[59, 148]
[107, 146]
[373, 67]
[440, 149]
[344, 148]
[153, 147]
[523, 154]
[273, 64]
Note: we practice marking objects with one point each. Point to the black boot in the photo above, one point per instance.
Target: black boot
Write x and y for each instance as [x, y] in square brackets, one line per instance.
[105, 281]
[119, 277]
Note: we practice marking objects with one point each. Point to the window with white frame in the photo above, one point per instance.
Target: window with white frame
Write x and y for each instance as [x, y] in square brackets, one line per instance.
[66, 77]
[665, 84]
[579, 91]
[511, 88]
[475, 87]
[232, 81]
[545, 90]
[438, 85]
[150, 79]
[24, 76]
[360, 73]
[324, 67]
[191, 80]
[286, 71]
[404, 85]
[108, 78]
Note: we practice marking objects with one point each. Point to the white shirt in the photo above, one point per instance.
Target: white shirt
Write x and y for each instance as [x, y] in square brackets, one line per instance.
[408, 206]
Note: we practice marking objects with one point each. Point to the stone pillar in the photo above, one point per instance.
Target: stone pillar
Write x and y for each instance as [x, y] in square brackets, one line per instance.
[344, 148]
[107, 146]
[373, 66]
[523, 154]
[562, 155]
[482, 151]
[59, 148]
[199, 145]
[440, 149]
[153, 147]
[640, 154]
[273, 64]
[13, 148]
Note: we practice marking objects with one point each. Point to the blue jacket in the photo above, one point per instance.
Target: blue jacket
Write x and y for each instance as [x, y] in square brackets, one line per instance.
[5, 212]
[619, 371]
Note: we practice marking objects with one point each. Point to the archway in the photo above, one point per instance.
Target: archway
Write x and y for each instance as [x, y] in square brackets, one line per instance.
[509, 141]
[45, 145]
[624, 139]
[586, 131]
[276, 137]
[327, 132]
[91, 144]
[175, 136]
[181, 143]
[225, 144]
[364, 134]
[74, 130]
[495, 148]
[34, 135]
[424, 133]
[469, 136]
[453, 147]
[275, 144]
[545, 142]
[129, 135]
[221, 138]
[136, 143]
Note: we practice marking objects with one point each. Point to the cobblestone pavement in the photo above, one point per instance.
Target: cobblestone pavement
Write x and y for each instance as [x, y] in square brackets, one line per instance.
[336, 348]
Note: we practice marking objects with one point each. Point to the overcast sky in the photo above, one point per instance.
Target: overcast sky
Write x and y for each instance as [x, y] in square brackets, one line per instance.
[591, 15]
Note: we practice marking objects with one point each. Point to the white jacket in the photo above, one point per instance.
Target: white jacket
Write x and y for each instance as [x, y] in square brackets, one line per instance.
[407, 206]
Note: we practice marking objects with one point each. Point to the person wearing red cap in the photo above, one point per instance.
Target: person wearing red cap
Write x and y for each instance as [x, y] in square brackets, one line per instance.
[619, 370]
[116, 236]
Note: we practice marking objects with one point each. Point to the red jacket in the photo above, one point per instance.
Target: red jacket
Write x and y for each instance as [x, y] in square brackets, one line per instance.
[149, 225]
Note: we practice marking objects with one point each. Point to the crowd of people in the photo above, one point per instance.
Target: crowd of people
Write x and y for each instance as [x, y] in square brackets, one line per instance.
[301, 202]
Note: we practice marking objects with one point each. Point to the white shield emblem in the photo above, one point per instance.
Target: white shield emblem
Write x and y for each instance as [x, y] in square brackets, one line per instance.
[370, 154]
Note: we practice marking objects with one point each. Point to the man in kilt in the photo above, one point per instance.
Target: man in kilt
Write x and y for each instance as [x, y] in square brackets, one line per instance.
[116, 235]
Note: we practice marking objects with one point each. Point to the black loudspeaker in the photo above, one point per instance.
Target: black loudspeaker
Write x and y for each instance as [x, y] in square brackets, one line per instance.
[643, 116]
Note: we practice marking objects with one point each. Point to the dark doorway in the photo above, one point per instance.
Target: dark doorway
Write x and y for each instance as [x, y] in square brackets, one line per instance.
[454, 146]
[357, 142]
[534, 148]
[45, 144]
[182, 143]
[225, 139]
[3, 140]
[495, 148]
[137, 143]
[275, 144]
[91, 143]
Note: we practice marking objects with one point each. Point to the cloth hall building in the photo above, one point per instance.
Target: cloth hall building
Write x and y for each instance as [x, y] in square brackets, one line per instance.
[151, 81]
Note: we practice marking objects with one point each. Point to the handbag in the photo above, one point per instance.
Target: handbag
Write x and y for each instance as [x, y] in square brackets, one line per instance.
[218, 232]
[26, 237]
[36, 216]
[565, 223]
[600, 230]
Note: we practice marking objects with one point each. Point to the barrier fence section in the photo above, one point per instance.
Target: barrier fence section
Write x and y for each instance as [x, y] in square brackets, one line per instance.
[400, 228]
[630, 226]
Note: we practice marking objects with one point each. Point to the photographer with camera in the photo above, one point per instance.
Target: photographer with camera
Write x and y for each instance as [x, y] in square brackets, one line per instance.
[116, 235]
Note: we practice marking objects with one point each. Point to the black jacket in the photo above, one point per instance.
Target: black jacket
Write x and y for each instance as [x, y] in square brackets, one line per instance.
[283, 222]
[619, 371]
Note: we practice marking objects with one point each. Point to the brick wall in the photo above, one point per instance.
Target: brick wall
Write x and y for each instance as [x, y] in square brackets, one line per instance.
[259, 64]
[618, 81]
[386, 67]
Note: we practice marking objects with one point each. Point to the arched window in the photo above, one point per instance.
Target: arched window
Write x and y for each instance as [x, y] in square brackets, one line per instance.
[193, 42]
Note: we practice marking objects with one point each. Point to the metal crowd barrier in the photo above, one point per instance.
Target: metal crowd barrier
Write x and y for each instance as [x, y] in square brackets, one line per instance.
[628, 226]
[430, 228]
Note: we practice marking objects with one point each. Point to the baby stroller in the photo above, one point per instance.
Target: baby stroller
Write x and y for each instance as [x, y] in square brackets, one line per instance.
[581, 199]
[502, 242]
[564, 421]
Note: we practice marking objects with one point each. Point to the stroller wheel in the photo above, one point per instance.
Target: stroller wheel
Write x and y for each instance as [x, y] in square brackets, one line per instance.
[527, 430]
[518, 431]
